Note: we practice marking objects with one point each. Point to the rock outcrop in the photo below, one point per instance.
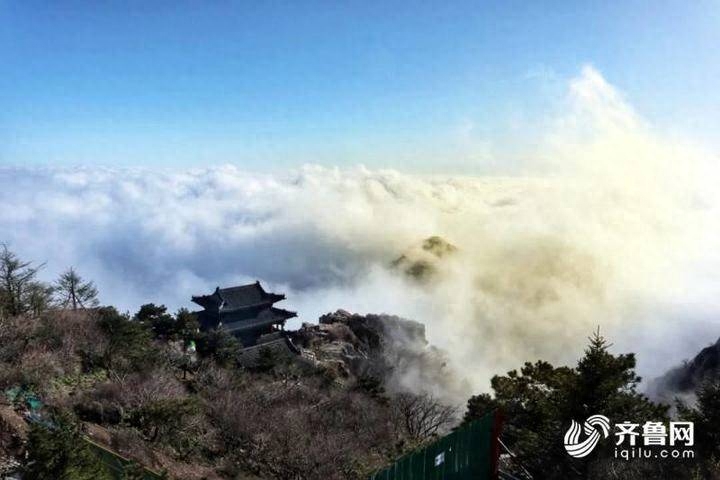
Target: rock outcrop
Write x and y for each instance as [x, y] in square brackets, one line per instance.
[354, 348]
[683, 380]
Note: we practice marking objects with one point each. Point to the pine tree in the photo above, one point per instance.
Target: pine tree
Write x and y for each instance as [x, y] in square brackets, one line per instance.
[156, 318]
[706, 417]
[71, 291]
[129, 347]
[220, 345]
[186, 325]
[608, 383]
[59, 452]
[20, 292]
[541, 400]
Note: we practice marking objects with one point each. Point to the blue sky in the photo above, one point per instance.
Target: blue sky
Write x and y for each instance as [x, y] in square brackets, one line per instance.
[430, 86]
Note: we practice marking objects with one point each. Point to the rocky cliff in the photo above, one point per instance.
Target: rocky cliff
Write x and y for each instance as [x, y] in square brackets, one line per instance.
[683, 380]
[385, 348]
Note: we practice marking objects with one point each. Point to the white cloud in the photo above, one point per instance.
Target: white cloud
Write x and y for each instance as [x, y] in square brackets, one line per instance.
[613, 231]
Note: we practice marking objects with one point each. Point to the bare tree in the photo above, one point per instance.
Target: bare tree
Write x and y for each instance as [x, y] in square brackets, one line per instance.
[422, 417]
[19, 291]
[71, 291]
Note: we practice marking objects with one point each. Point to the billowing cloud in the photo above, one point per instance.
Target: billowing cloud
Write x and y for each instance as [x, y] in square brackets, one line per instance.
[612, 226]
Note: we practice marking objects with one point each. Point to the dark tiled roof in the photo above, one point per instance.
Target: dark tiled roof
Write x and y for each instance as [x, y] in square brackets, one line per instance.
[234, 298]
[245, 311]
[246, 295]
[210, 302]
[281, 312]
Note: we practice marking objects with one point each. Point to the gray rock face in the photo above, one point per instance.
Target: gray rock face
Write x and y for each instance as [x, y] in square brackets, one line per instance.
[684, 379]
[388, 348]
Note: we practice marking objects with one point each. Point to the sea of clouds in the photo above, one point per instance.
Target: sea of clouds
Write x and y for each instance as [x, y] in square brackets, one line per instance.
[612, 224]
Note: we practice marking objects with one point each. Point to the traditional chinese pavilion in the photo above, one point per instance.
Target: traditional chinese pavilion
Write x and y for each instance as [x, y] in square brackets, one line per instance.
[246, 311]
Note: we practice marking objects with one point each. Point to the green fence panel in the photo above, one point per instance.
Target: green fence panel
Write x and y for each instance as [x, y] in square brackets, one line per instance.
[117, 464]
[470, 452]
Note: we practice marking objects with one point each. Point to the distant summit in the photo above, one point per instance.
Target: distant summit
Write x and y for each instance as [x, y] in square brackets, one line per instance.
[421, 262]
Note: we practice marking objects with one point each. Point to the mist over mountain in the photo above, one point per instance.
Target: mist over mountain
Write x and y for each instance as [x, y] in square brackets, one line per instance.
[609, 225]
[683, 380]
